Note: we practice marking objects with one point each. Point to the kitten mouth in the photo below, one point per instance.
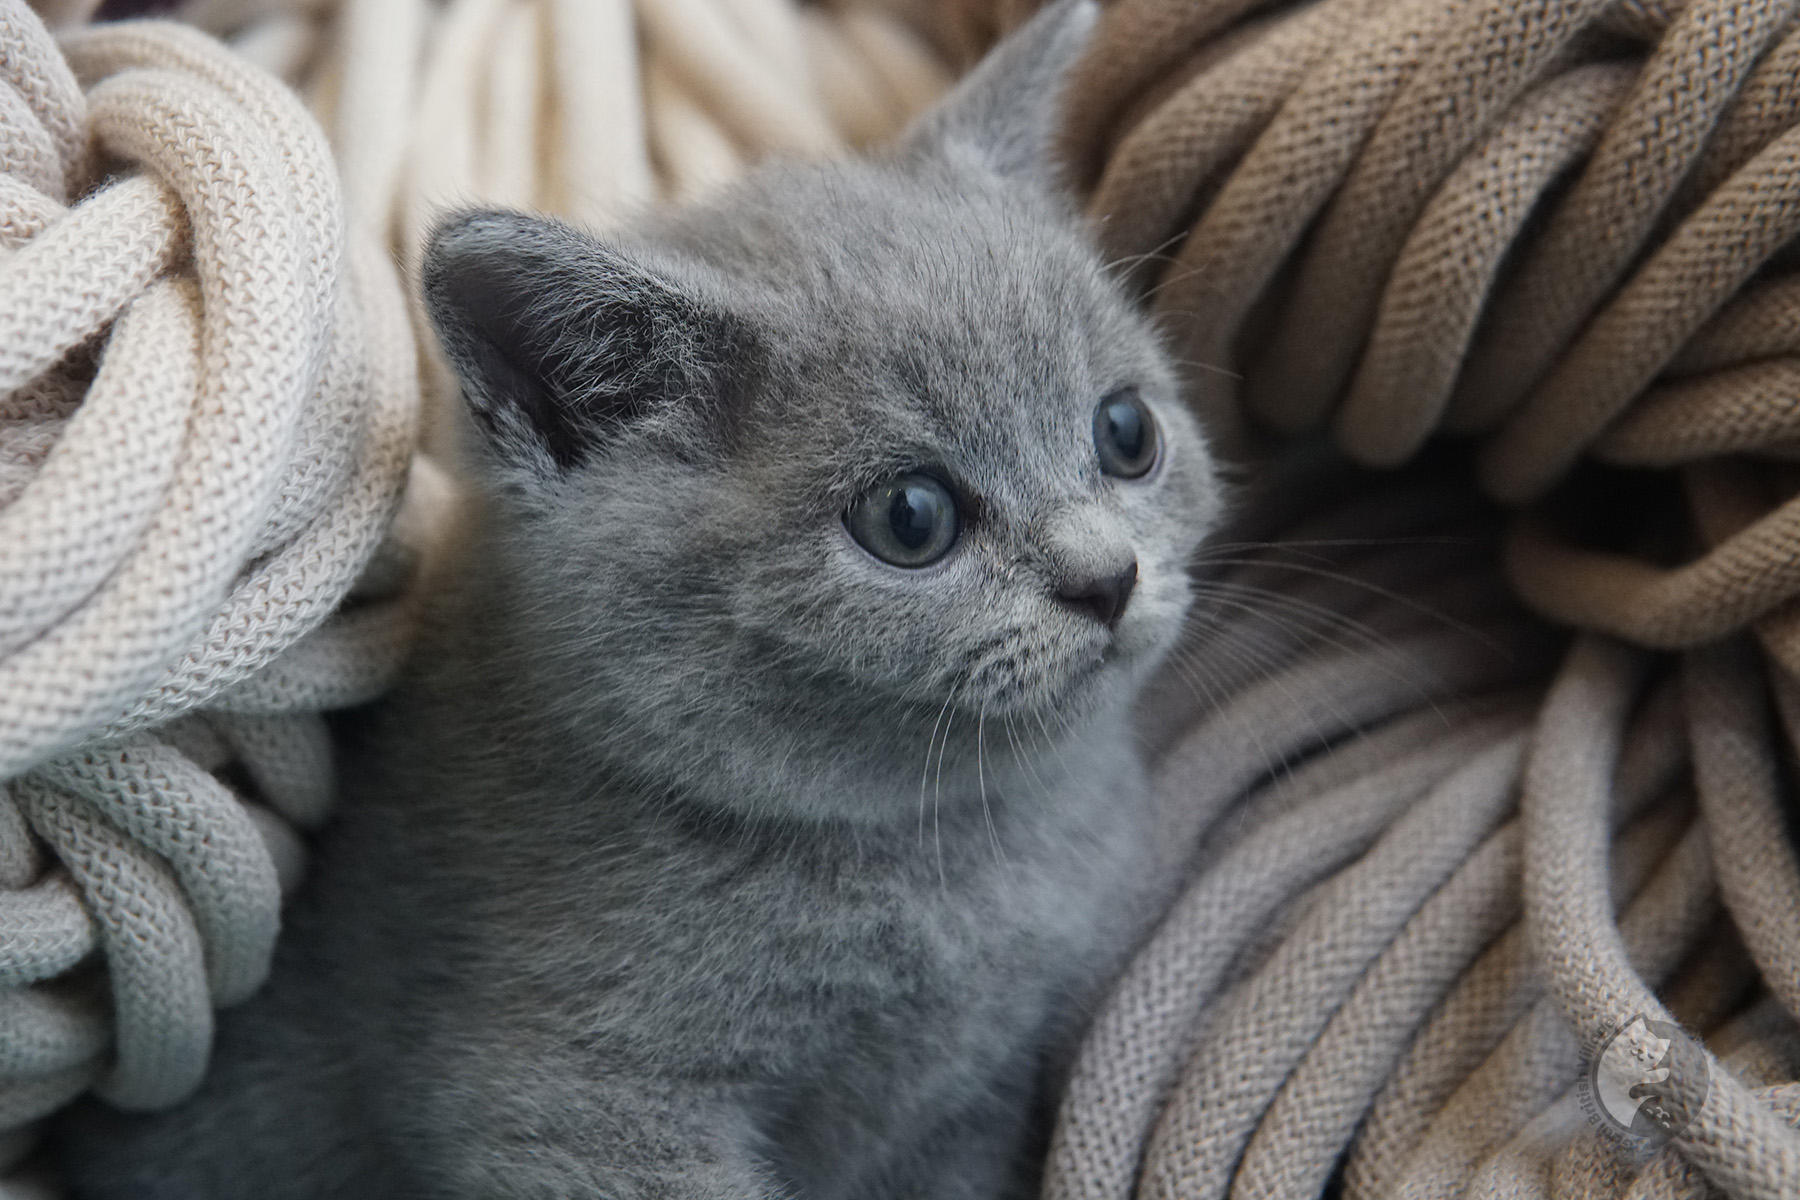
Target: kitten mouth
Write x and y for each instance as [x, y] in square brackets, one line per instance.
[1024, 682]
[1063, 672]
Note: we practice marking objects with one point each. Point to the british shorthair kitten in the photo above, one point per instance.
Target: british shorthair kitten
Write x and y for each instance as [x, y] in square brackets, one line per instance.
[762, 815]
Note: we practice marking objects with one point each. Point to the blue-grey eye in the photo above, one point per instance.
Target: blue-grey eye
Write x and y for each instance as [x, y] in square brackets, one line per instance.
[909, 520]
[1125, 434]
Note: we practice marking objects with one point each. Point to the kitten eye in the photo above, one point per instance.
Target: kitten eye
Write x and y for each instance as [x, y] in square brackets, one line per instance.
[1125, 434]
[910, 520]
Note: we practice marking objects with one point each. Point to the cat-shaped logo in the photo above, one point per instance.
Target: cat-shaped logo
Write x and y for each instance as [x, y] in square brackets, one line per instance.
[1643, 1080]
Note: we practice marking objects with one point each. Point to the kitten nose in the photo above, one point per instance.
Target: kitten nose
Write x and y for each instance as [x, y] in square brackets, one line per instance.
[1103, 597]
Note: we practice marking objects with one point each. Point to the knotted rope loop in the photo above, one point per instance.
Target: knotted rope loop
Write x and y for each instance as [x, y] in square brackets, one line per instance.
[207, 419]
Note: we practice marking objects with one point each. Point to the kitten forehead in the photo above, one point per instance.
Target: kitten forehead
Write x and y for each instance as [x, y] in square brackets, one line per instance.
[915, 313]
[879, 239]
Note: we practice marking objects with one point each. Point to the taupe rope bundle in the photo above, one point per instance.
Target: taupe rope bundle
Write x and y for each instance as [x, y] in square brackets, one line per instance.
[207, 416]
[1341, 185]
[1408, 1020]
[1562, 227]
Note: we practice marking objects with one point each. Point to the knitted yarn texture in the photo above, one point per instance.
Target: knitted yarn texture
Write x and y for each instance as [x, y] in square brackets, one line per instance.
[1564, 231]
[208, 412]
[585, 109]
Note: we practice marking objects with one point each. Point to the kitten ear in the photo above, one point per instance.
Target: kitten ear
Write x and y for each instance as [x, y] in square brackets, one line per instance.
[1006, 110]
[560, 340]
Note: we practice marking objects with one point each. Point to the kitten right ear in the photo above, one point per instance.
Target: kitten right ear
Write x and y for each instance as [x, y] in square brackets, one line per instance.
[560, 340]
[1005, 110]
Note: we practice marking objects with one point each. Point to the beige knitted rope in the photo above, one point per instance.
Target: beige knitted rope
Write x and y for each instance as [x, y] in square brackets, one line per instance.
[207, 407]
[207, 416]
[584, 108]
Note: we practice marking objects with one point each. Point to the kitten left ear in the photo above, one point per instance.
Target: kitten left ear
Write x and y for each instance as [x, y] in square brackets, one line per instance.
[1005, 112]
[559, 340]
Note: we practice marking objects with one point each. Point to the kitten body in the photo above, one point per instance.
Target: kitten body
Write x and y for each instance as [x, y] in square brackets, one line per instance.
[704, 854]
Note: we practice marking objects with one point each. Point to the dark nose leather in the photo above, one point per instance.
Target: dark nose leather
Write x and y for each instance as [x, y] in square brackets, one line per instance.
[1102, 598]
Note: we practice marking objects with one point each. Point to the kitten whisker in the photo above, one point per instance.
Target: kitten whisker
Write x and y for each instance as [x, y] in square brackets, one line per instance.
[1209, 550]
[1334, 629]
[1122, 266]
[1289, 612]
[1214, 368]
[937, 799]
[1260, 668]
[987, 813]
[1173, 278]
[1025, 755]
[925, 773]
[1379, 591]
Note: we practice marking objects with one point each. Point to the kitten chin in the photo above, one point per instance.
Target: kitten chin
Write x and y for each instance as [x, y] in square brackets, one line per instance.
[762, 814]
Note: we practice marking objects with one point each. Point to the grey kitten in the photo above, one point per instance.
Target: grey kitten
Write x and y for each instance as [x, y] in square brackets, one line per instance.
[763, 816]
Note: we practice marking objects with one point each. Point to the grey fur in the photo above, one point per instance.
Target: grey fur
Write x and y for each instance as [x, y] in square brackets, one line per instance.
[704, 855]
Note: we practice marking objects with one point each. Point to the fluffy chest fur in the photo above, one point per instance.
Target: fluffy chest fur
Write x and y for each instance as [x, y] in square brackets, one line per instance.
[850, 995]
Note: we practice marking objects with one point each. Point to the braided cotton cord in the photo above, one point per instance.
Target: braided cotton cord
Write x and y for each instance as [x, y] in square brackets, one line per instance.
[1410, 148]
[590, 110]
[1540, 1057]
[1265, 1026]
[1469, 1023]
[1691, 76]
[185, 514]
[1563, 227]
[251, 347]
[1735, 1137]
[1166, 993]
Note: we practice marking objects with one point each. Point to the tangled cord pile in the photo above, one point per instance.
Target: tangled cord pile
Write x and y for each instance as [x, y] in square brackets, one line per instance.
[207, 415]
[210, 401]
[1389, 954]
[1565, 230]
[1557, 225]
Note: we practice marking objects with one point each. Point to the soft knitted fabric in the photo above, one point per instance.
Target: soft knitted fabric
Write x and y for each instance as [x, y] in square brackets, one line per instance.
[207, 415]
[1565, 228]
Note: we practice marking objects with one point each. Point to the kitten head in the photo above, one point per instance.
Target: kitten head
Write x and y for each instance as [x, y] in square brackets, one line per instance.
[796, 487]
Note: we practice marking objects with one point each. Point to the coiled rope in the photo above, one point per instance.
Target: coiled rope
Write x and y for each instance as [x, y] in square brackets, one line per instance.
[208, 411]
[1402, 921]
[1563, 229]
[1416, 864]
[1557, 225]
